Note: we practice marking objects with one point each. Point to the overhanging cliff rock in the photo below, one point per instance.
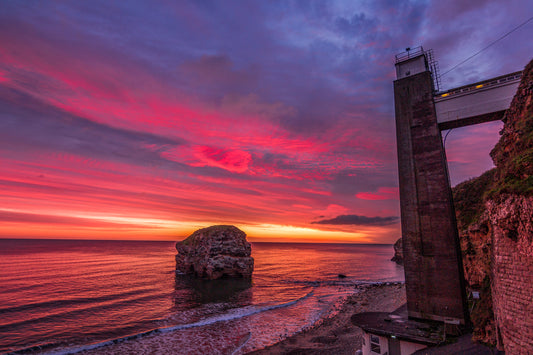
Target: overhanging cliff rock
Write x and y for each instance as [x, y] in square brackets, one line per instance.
[215, 252]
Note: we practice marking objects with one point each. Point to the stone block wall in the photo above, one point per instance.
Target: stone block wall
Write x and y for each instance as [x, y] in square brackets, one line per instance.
[512, 267]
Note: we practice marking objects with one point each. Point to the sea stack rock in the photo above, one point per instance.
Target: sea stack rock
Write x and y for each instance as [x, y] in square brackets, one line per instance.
[215, 252]
[398, 252]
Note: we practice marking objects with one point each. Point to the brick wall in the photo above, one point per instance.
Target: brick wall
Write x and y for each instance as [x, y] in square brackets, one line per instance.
[512, 268]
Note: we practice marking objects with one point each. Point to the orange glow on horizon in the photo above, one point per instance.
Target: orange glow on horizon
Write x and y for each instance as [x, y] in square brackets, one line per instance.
[94, 226]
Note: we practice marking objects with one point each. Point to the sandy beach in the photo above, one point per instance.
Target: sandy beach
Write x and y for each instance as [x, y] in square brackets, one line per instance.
[337, 335]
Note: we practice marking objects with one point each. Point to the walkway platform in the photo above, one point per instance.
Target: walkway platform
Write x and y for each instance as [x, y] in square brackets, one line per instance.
[475, 103]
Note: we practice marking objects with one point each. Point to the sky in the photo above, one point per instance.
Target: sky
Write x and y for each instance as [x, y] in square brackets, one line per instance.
[151, 119]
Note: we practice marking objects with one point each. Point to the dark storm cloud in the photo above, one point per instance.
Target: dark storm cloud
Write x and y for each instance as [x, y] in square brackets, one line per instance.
[356, 220]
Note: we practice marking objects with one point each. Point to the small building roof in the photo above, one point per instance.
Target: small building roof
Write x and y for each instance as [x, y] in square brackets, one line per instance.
[398, 325]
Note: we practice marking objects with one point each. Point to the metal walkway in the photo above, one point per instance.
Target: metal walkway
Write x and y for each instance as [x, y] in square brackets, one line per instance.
[476, 103]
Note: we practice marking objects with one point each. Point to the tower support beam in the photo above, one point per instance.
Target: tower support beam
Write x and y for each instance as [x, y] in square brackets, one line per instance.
[432, 259]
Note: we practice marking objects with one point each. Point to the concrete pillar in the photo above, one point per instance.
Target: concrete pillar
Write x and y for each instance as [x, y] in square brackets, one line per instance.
[432, 257]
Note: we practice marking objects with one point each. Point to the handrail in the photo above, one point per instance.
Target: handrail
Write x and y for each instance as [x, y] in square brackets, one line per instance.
[409, 53]
[481, 84]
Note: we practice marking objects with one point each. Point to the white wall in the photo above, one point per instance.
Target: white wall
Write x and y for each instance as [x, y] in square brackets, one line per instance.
[383, 342]
[411, 67]
[406, 348]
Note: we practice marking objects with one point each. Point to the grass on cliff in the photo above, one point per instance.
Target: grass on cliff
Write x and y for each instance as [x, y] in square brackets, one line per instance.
[469, 198]
[516, 177]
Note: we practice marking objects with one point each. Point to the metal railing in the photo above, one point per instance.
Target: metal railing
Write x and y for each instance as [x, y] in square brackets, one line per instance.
[434, 69]
[409, 53]
[433, 65]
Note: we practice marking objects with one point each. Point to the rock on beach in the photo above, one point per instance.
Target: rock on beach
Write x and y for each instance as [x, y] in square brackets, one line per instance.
[215, 252]
[398, 252]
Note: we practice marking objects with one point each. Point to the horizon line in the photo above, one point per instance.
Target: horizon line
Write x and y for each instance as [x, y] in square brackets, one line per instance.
[176, 241]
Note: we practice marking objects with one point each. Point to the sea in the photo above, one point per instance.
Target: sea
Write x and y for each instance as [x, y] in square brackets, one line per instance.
[125, 297]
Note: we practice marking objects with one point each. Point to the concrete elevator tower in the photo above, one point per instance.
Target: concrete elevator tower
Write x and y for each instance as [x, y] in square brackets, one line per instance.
[434, 281]
[432, 258]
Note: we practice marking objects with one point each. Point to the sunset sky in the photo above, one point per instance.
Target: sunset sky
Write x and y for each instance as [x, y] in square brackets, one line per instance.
[151, 119]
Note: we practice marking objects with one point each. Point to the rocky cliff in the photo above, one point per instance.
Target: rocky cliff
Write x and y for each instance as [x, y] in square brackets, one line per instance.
[509, 206]
[495, 220]
[215, 252]
[476, 246]
[398, 252]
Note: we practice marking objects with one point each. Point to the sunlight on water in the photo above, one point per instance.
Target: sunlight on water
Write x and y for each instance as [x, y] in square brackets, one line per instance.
[70, 294]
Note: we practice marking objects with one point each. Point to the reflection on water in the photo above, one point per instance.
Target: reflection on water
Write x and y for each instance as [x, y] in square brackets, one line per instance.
[237, 291]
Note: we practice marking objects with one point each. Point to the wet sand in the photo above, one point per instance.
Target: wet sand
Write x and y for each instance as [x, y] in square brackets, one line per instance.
[337, 335]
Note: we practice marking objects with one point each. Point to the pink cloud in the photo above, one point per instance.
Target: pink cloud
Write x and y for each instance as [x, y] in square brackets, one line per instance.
[3, 77]
[332, 210]
[232, 160]
[383, 193]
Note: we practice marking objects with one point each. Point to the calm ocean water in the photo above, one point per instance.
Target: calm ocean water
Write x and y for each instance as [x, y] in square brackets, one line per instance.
[66, 296]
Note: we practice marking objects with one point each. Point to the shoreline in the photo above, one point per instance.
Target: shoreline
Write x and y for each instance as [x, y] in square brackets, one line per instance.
[335, 334]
